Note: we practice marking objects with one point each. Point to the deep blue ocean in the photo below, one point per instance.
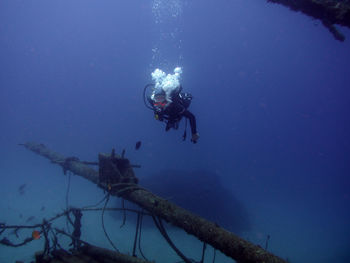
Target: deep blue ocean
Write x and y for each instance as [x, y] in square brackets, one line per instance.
[270, 94]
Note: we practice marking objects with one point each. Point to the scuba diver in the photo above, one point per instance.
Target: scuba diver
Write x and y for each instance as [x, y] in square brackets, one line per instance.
[169, 103]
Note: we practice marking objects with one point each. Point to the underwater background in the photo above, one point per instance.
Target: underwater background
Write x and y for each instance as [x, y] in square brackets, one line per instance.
[271, 98]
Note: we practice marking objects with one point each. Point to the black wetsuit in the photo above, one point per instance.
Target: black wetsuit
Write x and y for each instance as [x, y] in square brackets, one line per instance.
[175, 111]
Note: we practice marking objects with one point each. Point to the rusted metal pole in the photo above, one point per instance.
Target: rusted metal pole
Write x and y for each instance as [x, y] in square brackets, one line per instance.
[228, 243]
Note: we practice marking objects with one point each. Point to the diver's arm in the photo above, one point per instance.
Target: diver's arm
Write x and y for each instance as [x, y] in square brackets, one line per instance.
[192, 120]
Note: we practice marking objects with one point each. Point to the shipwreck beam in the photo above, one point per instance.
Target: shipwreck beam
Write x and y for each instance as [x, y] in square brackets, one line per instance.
[228, 243]
[330, 12]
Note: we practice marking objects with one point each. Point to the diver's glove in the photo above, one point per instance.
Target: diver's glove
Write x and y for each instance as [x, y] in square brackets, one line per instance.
[195, 137]
[158, 117]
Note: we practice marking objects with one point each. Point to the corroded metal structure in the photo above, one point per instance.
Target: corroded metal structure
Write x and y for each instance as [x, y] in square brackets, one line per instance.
[330, 12]
[210, 233]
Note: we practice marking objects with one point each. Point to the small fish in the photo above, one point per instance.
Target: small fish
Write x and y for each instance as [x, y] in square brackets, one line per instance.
[30, 219]
[138, 145]
[36, 235]
[21, 189]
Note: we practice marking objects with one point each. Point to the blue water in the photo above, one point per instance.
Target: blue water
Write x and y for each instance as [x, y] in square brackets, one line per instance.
[271, 97]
